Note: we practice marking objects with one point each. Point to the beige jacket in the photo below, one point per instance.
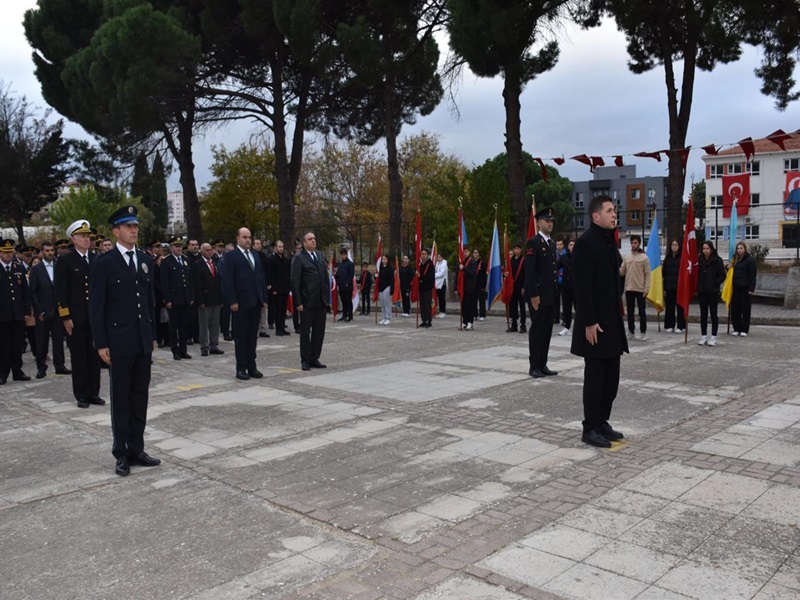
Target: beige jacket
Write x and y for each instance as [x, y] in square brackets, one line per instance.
[636, 271]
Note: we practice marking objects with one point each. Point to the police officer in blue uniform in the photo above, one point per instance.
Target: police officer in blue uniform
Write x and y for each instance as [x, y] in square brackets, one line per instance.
[15, 303]
[540, 291]
[122, 303]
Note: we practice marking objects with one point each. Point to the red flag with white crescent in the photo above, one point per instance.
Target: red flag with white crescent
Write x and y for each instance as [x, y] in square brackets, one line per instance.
[791, 195]
[735, 187]
[687, 275]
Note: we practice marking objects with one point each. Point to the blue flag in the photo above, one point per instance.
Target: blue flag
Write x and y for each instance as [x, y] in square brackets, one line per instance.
[495, 273]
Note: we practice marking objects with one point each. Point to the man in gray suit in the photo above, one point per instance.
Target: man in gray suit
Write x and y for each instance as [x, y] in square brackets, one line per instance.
[311, 290]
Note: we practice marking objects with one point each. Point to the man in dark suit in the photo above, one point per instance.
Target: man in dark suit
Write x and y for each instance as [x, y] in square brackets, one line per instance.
[72, 295]
[469, 270]
[15, 303]
[178, 293]
[311, 291]
[245, 291]
[599, 330]
[427, 279]
[517, 274]
[344, 281]
[122, 309]
[43, 297]
[278, 285]
[208, 298]
[540, 291]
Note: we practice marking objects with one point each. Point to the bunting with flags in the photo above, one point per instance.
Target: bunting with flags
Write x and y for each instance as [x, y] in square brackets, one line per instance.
[655, 294]
[494, 280]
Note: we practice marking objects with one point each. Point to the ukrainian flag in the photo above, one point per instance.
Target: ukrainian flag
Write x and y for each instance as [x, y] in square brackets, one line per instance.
[656, 294]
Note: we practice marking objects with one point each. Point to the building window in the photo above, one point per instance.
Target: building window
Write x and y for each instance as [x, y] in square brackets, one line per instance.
[716, 171]
[716, 202]
[754, 167]
[755, 199]
[635, 215]
[636, 194]
[579, 221]
[716, 233]
[751, 232]
[735, 169]
[596, 193]
[791, 164]
[578, 199]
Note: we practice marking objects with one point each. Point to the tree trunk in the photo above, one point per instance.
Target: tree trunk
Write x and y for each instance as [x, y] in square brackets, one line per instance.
[191, 202]
[516, 171]
[18, 225]
[393, 165]
[285, 196]
[287, 213]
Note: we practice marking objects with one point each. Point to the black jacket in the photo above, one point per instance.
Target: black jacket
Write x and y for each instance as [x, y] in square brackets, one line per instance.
[207, 287]
[480, 274]
[744, 273]
[344, 275]
[670, 271]
[279, 269]
[43, 291]
[386, 278]
[596, 283]
[427, 275]
[406, 277]
[15, 299]
[518, 273]
[565, 265]
[470, 275]
[710, 275]
[310, 282]
[540, 270]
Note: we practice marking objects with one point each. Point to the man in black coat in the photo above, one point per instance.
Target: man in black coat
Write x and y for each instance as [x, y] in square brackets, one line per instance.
[599, 334]
[178, 292]
[427, 279]
[278, 286]
[208, 299]
[72, 295]
[123, 317]
[15, 303]
[540, 292]
[311, 291]
[345, 273]
[245, 291]
[469, 269]
[481, 278]
[43, 297]
[517, 308]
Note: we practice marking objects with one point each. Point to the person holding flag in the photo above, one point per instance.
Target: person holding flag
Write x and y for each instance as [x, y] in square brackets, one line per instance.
[441, 284]
[427, 278]
[687, 277]
[540, 291]
[671, 269]
[468, 274]
[516, 274]
[365, 288]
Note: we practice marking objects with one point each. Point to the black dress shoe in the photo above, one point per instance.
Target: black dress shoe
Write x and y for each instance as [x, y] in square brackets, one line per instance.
[190, 342]
[176, 355]
[83, 403]
[3, 380]
[216, 351]
[512, 329]
[123, 469]
[143, 459]
[40, 374]
[263, 334]
[255, 373]
[203, 352]
[63, 371]
[607, 432]
[523, 329]
[549, 372]
[20, 376]
[594, 438]
[536, 373]
[296, 330]
[242, 375]
[315, 364]
[96, 400]
[305, 366]
[185, 355]
[281, 333]
[227, 338]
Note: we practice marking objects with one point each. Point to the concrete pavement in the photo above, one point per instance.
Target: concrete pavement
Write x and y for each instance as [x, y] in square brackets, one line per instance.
[422, 464]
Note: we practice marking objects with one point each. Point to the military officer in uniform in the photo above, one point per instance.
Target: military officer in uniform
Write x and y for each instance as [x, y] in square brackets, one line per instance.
[122, 303]
[178, 293]
[72, 294]
[15, 303]
[540, 292]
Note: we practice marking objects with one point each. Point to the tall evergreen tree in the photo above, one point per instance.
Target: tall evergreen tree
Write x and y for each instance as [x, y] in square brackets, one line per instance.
[140, 181]
[158, 195]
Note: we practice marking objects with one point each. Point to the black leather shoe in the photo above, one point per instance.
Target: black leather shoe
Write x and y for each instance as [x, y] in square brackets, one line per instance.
[185, 355]
[305, 366]
[512, 329]
[3, 380]
[20, 376]
[263, 334]
[523, 329]
[83, 403]
[216, 351]
[607, 432]
[282, 333]
[190, 342]
[315, 364]
[40, 374]
[593, 438]
[536, 373]
[96, 400]
[203, 352]
[143, 459]
[176, 356]
[227, 338]
[242, 375]
[255, 374]
[63, 371]
[296, 330]
[549, 372]
[123, 469]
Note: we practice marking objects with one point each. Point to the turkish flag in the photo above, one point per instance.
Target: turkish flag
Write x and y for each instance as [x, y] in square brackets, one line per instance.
[687, 275]
[791, 195]
[735, 187]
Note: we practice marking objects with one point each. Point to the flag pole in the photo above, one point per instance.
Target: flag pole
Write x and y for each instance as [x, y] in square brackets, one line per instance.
[506, 270]
[417, 244]
[460, 267]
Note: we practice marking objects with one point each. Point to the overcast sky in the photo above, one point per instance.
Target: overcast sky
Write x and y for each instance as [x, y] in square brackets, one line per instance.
[588, 104]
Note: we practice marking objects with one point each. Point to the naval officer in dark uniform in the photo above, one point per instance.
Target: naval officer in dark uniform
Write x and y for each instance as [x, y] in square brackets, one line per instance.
[122, 303]
[540, 291]
[178, 293]
[72, 294]
[15, 303]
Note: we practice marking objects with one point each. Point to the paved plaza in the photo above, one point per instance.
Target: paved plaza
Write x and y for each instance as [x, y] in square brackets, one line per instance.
[420, 465]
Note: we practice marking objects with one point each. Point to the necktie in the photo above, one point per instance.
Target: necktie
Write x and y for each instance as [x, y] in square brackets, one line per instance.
[131, 264]
[8, 269]
[86, 258]
[211, 267]
[250, 259]
[313, 256]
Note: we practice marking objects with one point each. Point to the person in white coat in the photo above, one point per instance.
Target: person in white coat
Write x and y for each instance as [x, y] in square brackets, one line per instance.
[441, 285]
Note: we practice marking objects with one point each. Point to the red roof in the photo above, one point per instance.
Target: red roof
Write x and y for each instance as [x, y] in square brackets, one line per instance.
[762, 146]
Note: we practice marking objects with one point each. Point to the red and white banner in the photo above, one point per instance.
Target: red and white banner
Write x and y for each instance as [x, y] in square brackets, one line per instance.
[791, 194]
[735, 187]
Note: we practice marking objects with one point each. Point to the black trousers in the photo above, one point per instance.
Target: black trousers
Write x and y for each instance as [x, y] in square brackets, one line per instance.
[296, 320]
[225, 320]
[441, 295]
[44, 330]
[30, 335]
[671, 306]
[425, 298]
[468, 307]
[279, 302]
[406, 301]
[194, 324]
[600, 385]
[271, 310]
[516, 309]
[12, 334]
[557, 307]
[708, 303]
[346, 295]
[312, 332]
[539, 335]
[85, 362]
[366, 297]
[634, 299]
[180, 326]
[245, 336]
[481, 309]
[130, 383]
[567, 304]
[740, 310]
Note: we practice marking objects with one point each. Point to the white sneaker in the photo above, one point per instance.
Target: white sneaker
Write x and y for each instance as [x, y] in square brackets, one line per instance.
[735, 333]
[387, 321]
[670, 330]
[642, 338]
[441, 316]
[382, 322]
[679, 331]
[703, 341]
[469, 326]
[712, 341]
[481, 318]
[564, 331]
[743, 334]
[405, 315]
